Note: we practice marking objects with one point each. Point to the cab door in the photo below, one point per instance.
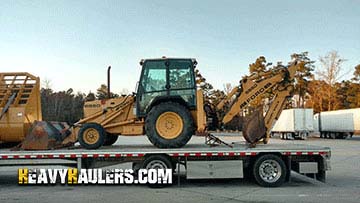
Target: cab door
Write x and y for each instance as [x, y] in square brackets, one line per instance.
[153, 83]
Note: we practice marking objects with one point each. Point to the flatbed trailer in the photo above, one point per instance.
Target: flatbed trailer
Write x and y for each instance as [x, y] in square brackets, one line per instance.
[270, 165]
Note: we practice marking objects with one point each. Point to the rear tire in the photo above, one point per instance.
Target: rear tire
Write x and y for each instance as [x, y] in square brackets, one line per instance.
[91, 136]
[179, 126]
[110, 139]
[269, 171]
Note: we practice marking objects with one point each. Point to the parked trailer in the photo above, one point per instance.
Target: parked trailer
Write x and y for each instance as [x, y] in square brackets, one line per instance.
[270, 165]
[337, 124]
[294, 123]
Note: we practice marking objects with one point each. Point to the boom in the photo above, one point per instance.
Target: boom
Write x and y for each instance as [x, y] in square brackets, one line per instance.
[279, 81]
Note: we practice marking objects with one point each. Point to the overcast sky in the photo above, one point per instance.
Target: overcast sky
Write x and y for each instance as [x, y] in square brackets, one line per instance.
[71, 43]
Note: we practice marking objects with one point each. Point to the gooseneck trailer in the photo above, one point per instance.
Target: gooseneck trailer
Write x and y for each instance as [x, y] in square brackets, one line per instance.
[270, 165]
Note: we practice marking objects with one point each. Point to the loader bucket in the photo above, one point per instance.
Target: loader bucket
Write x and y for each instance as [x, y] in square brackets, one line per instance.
[254, 127]
[45, 135]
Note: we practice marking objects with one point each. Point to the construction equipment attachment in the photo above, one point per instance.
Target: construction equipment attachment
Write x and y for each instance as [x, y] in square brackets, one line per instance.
[21, 116]
[45, 135]
[254, 127]
[212, 141]
[19, 105]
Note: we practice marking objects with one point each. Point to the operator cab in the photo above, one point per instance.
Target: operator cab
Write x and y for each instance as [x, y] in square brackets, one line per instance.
[166, 79]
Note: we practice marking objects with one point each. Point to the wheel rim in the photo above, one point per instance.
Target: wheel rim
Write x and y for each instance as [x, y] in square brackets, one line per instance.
[169, 125]
[156, 164]
[91, 136]
[270, 171]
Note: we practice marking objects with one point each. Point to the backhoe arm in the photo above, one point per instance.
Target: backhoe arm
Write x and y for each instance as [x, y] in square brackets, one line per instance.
[280, 81]
[276, 106]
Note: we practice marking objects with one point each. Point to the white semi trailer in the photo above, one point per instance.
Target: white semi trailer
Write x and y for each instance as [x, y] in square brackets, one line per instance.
[294, 123]
[337, 124]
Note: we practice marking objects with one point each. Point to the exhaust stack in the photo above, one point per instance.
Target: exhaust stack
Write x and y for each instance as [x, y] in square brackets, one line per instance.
[108, 83]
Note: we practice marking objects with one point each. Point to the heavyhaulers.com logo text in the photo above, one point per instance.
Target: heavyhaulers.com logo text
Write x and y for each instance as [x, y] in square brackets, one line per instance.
[73, 176]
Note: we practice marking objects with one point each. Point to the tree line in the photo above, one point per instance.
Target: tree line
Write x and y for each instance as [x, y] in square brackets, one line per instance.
[67, 106]
[322, 88]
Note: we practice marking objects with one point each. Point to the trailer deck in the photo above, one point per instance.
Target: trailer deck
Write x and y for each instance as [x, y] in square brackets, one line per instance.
[196, 159]
[238, 149]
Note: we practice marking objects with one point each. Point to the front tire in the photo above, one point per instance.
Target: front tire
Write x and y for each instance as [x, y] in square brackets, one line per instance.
[269, 171]
[91, 136]
[169, 125]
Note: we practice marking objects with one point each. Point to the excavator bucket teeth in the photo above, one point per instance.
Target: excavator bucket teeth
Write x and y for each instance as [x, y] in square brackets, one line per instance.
[254, 127]
[45, 135]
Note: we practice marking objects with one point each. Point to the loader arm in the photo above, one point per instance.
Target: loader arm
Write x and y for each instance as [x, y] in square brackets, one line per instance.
[280, 81]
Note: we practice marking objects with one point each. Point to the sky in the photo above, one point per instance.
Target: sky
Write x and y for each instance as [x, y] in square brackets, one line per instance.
[71, 43]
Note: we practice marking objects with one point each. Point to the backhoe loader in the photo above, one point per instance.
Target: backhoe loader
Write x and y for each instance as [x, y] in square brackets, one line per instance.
[168, 107]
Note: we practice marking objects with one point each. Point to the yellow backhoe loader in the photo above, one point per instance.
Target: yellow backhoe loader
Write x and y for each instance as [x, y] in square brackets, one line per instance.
[168, 107]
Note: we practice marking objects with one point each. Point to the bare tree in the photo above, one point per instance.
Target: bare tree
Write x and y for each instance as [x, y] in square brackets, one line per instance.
[331, 67]
[227, 88]
[46, 83]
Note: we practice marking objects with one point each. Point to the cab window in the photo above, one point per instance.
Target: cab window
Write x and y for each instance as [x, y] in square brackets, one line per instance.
[154, 76]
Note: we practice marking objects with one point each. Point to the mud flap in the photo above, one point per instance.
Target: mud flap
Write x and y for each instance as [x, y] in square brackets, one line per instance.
[254, 127]
[45, 135]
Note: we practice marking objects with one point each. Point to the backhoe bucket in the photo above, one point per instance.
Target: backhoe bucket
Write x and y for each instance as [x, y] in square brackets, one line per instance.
[45, 135]
[254, 127]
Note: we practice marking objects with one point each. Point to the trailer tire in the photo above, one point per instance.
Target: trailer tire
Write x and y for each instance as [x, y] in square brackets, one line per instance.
[269, 171]
[110, 139]
[91, 136]
[326, 135]
[157, 162]
[180, 129]
[333, 135]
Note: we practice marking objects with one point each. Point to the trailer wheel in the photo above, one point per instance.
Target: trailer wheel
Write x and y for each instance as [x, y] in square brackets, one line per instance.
[157, 162]
[269, 171]
[110, 139]
[333, 135]
[326, 135]
[169, 125]
[282, 136]
[91, 136]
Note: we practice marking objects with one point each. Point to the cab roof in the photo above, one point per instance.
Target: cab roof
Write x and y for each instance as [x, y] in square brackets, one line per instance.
[193, 60]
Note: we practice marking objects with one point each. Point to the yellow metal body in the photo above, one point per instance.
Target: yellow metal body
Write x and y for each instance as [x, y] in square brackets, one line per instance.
[169, 125]
[281, 83]
[20, 105]
[117, 116]
[199, 116]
